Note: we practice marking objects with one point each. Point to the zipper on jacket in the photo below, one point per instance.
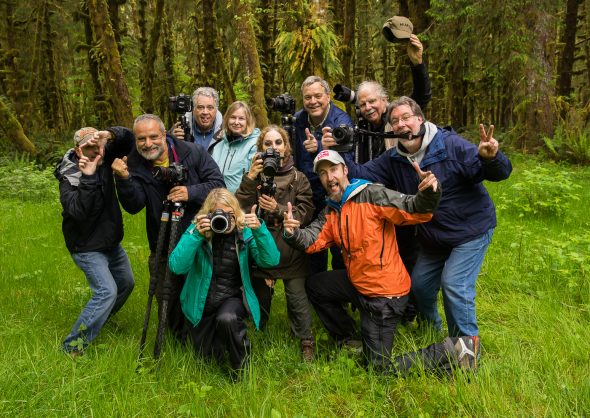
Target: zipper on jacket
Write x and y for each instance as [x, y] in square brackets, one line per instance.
[382, 244]
[230, 161]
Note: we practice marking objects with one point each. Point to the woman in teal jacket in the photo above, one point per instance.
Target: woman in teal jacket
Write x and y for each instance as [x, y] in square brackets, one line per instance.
[215, 254]
[236, 145]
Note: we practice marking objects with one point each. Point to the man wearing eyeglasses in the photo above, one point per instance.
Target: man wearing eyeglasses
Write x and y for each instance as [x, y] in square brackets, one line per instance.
[453, 244]
[205, 119]
[318, 112]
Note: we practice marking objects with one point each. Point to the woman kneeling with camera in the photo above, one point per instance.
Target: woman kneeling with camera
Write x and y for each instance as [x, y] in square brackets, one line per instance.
[215, 251]
[272, 182]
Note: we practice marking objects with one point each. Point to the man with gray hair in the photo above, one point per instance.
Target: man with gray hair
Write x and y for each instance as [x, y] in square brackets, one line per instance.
[137, 187]
[318, 112]
[205, 120]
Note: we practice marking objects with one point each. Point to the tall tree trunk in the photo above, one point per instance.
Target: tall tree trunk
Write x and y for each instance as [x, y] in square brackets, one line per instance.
[50, 93]
[111, 63]
[14, 130]
[249, 53]
[114, 15]
[168, 57]
[100, 105]
[568, 40]
[348, 41]
[147, 102]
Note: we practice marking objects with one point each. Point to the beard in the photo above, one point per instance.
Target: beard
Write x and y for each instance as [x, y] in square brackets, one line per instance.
[152, 153]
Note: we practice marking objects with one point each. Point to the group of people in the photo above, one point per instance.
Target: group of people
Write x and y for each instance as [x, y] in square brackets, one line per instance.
[403, 222]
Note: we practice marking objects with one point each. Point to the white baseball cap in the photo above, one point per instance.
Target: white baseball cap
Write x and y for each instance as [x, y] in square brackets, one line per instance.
[327, 155]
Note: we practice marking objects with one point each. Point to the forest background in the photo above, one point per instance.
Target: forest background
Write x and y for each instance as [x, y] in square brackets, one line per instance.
[64, 64]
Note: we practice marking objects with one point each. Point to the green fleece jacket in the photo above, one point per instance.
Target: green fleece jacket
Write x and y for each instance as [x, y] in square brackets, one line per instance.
[193, 255]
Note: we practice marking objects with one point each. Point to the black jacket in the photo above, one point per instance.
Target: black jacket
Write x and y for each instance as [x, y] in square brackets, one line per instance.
[142, 190]
[92, 219]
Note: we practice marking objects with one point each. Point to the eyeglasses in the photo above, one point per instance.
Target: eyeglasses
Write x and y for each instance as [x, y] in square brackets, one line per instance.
[405, 118]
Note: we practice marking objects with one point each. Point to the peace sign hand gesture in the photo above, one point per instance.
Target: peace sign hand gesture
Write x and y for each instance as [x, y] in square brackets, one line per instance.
[488, 146]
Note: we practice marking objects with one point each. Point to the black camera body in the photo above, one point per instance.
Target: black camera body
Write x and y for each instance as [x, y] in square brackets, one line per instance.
[174, 175]
[180, 104]
[283, 103]
[344, 94]
[220, 221]
[271, 162]
[345, 137]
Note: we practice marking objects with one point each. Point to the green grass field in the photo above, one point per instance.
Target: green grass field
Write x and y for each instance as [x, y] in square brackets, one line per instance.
[533, 309]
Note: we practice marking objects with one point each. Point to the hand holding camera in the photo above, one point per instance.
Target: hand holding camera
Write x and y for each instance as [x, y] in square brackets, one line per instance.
[328, 140]
[255, 167]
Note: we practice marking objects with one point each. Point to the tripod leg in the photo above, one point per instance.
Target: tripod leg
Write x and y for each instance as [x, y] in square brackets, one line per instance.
[167, 285]
[154, 276]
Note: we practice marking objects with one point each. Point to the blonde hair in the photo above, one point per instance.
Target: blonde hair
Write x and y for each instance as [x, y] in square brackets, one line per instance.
[250, 120]
[281, 131]
[224, 197]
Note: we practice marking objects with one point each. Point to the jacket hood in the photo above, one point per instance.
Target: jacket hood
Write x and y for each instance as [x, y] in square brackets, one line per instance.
[68, 167]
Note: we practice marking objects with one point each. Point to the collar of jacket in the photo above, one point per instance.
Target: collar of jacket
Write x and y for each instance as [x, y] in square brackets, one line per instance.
[354, 188]
[435, 151]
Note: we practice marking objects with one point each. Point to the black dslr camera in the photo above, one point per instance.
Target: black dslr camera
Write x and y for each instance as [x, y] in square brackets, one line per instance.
[220, 221]
[344, 94]
[271, 161]
[283, 103]
[182, 104]
[345, 137]
[175, 175]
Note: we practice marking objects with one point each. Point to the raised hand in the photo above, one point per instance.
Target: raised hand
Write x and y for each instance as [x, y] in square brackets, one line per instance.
[428, 179]
[488, 146]
[290, 224]
[251, 219]
[310, 144]
[88, 166]
[203, 224]
[327, 138]
[415, 50]
[120, 168]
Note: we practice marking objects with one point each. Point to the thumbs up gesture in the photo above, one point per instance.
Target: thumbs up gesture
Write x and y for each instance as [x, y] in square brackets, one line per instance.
[290, 224]
[251, 220]
[119, 167]
[427, 178]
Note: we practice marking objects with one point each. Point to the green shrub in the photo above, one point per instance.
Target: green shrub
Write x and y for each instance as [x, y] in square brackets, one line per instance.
[27, 181]
[571, 139]
[542, 191]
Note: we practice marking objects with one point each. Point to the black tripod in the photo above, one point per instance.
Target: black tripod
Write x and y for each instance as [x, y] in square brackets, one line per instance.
[170, 220]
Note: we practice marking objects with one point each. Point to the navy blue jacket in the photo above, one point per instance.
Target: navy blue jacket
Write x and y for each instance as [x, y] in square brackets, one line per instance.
[142, 190]
[304, 159]
[465, 209]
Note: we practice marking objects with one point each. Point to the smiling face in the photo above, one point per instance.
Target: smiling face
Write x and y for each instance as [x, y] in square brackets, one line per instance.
[403, 121]
[237, 122]
[334, 178]
[371, 105]
[204, 112]
[316, 101]
[150, 141]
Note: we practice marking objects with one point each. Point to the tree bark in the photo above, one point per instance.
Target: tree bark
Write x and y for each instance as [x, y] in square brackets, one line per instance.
[14, 130]
[566, 58]
[249, 53]
[111, 62]
[147, 103]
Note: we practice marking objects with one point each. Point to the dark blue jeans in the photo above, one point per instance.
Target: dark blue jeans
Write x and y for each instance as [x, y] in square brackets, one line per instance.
[110, 278]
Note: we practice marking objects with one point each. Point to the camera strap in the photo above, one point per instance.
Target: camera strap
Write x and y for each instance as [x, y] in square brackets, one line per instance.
[172, 149]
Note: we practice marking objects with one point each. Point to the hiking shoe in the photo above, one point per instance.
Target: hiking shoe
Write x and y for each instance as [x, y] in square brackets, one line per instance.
[466, 351]
[354, 346]
[307, 350]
